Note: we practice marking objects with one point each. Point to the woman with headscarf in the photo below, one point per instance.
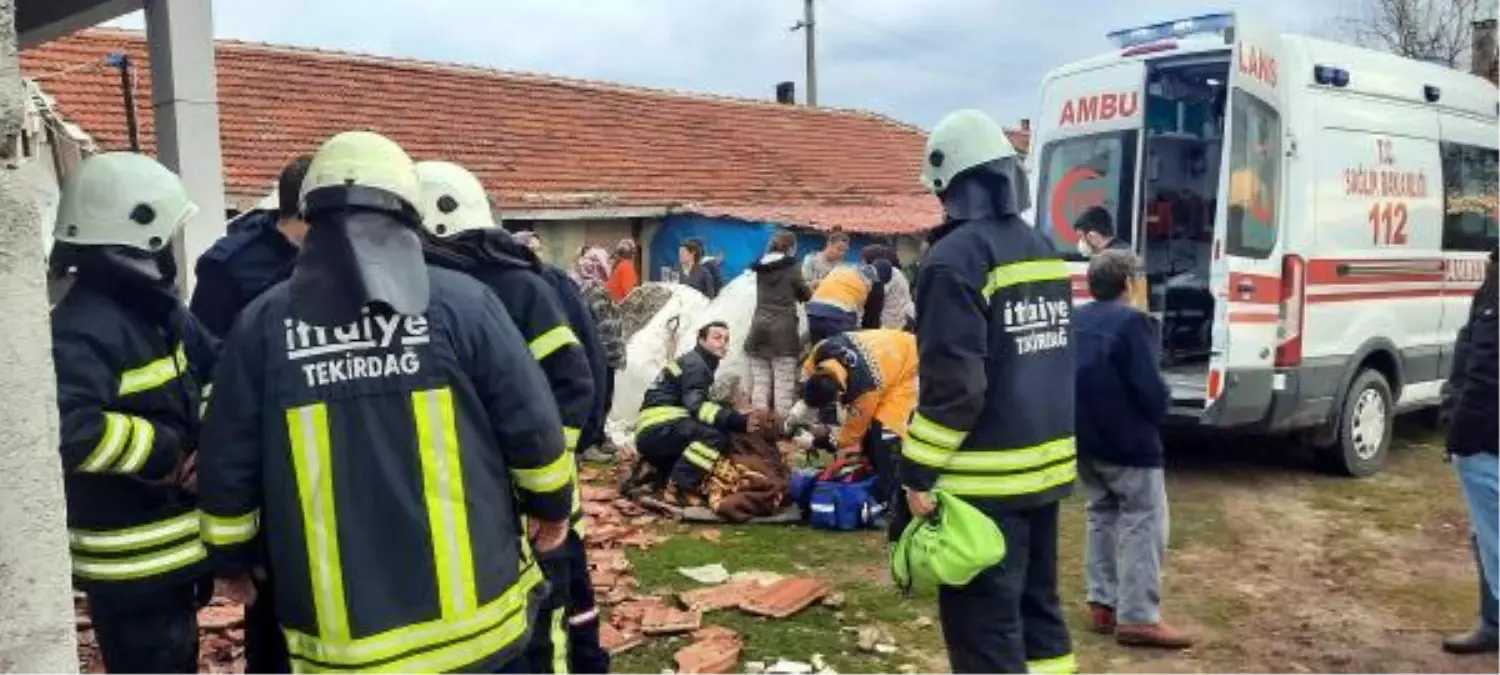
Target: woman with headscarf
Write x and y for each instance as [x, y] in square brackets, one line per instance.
[774, 343]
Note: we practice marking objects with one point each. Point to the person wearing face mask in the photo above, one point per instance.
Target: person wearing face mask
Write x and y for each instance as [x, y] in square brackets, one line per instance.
[1096, 232]
[382, 426]
[130, 364]
[994, 419]
[680, 432]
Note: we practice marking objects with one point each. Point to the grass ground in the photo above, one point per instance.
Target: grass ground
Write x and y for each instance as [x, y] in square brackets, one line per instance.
[1274, 568]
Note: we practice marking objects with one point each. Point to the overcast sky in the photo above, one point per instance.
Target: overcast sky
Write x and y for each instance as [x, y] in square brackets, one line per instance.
[911, 59]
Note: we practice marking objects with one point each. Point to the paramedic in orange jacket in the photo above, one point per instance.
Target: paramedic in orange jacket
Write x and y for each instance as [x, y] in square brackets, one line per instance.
[872, 374]
[838, 300]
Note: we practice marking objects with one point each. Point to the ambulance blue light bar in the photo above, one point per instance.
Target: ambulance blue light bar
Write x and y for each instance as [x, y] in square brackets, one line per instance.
[1167, 30]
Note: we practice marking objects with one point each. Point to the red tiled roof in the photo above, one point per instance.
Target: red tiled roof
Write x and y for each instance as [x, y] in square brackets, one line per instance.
[545, 142]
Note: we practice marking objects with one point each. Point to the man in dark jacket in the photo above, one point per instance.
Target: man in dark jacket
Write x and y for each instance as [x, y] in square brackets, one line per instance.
[1121, 400]
[994, 420]
[1472, 443]
[680, 432]
[456, 211]
[385, 429]
[255, 255]
[131, 364]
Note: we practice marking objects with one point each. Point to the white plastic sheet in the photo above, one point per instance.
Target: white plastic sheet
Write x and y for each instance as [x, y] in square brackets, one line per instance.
[673, 331]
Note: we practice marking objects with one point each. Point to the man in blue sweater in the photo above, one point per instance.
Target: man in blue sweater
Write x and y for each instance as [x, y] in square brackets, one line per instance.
[1121, 400]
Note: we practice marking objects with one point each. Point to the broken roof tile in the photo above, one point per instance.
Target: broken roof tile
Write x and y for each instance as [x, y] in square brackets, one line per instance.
[716, 650]
[721, 596]
[786, 597]
[664, 620]
[616, 641]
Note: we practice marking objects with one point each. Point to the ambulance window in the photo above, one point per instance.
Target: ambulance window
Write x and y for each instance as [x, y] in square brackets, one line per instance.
[1469, 197]
[1080, 173]
[1254, 167]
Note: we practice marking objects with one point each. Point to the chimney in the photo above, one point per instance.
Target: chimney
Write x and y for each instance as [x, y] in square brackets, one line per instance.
[1026, 124]
[1483, 55]
[786, 93]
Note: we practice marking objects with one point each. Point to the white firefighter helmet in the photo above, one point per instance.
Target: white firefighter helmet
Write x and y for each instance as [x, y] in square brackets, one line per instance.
[453, 199]
[961, 141]
[122, 199]
[368, 168]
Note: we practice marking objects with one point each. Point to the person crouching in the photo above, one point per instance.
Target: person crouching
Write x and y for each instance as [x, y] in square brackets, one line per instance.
[1121, 401]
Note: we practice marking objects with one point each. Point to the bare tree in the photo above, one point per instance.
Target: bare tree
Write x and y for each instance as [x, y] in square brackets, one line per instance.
[1430, 30]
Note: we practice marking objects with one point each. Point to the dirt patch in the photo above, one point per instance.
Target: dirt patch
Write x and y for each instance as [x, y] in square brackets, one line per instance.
[1320, 583]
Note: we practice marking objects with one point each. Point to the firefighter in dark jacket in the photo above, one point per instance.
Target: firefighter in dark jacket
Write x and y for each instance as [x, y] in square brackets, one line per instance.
[1473, 397]
[255, 255]
[994, 419]
[456, 211]
[680, 432]
[384, 427]
[130, 366]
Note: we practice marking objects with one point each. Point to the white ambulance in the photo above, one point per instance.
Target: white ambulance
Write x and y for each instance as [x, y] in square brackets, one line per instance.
[1314, 218]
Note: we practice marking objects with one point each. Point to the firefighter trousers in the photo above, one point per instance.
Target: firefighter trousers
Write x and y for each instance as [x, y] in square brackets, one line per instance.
[1008, 619]
[265, 644]
[684, 450]
[547, 651]
[156, 633]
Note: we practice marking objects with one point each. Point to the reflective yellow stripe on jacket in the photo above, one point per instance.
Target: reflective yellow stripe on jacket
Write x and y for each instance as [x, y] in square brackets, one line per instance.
[154, 374]
[443, 491]
[230, 530]
[1010, 473]
[313, 464]
[124, 446]
[547, 343]
[651, 417]
[1062, 665]
[137, 552]
[1025, 272]
[464, 640]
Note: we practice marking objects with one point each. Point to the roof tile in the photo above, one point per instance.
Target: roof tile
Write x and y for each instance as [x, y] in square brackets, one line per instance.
[541, 140]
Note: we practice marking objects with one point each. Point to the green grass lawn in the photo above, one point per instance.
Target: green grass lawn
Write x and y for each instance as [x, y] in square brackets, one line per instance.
[1254, 544]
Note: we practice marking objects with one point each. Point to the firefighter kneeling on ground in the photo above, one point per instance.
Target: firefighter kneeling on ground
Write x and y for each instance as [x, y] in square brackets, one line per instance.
[384, 427]
[130, 363]
[994, 421]
[456, 211]
[871, 377]
[680, 432]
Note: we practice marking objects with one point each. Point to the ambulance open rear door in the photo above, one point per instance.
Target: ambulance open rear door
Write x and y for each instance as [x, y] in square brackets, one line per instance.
[1256, 293]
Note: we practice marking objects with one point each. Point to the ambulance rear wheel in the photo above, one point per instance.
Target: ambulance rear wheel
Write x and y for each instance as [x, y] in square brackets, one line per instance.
[1365, 425]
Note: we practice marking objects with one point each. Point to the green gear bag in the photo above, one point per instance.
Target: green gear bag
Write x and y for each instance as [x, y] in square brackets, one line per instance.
[948, 548]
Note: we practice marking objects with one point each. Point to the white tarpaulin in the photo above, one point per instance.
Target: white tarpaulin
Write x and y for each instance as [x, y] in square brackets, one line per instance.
[674, 330]
[648, 351]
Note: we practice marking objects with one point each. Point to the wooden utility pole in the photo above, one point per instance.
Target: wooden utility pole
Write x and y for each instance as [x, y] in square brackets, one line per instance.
[810, 29]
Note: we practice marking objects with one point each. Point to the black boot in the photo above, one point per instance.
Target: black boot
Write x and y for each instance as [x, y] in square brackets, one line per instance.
[1485, 638]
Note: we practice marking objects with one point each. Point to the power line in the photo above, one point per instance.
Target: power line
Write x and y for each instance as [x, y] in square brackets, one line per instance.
[928, 46]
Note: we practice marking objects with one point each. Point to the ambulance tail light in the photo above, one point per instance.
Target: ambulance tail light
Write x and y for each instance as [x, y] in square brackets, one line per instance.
[1219, 24]
[1289, 319]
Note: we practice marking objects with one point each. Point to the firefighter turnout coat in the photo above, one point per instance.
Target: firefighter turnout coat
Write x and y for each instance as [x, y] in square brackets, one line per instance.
[387, 464]
[878, 369]
[994, 423]
[128, 393]
[536, 310]
[681, 392]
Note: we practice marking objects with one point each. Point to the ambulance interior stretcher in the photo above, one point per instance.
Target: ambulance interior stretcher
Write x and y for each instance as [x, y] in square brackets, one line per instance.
[1181, 150]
